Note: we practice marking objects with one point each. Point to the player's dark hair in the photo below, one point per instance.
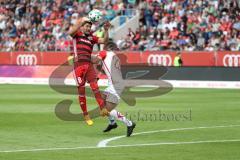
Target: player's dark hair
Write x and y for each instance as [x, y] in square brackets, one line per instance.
[86, 22]
[110, 46]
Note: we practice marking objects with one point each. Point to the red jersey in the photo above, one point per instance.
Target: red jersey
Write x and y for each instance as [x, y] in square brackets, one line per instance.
[83, 46]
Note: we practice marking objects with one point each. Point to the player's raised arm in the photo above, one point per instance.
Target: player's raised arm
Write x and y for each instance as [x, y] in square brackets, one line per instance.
[73, 30]
[105, 39]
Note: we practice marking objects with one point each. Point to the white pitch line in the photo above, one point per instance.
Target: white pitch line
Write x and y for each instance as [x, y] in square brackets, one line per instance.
[48, 149]
[104, 143]
[127, 145]
[174, 143]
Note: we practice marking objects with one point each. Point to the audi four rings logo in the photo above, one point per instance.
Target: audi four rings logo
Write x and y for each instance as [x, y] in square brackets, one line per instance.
[159, 60]
[26, 59]
[231, 60]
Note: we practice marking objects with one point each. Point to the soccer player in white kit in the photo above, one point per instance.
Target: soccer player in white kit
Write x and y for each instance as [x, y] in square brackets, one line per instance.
[112, 68]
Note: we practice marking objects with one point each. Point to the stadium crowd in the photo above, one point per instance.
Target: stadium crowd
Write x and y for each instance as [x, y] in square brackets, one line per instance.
[41, 25]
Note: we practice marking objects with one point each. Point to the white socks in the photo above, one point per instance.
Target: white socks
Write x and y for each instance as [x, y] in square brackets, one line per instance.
[118, 116]
[111, 120]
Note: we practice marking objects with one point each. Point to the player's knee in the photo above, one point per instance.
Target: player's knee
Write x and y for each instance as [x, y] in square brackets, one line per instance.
[94, 86]
[110, 106]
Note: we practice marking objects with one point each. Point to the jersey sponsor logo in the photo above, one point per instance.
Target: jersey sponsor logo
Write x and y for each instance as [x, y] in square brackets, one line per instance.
[26, 59]
[159, 60]
[85, 40]
[231, 60]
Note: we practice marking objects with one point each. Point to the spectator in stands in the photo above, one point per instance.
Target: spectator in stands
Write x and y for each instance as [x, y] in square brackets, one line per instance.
[151, 43]
[190, 25]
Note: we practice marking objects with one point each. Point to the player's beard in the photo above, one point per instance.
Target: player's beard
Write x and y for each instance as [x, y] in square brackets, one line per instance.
[87, 33]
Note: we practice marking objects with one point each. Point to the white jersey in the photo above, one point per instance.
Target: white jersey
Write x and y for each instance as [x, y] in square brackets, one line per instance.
[112, 68]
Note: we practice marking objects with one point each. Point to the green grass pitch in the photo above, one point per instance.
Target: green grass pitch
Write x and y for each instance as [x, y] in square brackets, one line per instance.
[28, 122]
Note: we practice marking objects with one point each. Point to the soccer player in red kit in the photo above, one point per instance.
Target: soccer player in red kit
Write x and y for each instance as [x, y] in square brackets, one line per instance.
[83, 41]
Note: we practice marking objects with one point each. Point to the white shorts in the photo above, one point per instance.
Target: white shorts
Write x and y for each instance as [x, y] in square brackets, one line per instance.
[111, 97]
[111, 94]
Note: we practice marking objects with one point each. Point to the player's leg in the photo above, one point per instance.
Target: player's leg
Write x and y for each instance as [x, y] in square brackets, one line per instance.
[91, 77]
[116, 114]
[82, 99]
[111, 103]
[111, 120]
[83, 105]
[80, 72]
[97, 94]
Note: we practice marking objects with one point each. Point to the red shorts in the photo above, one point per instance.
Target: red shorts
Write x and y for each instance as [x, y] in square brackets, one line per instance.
[84, 72]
